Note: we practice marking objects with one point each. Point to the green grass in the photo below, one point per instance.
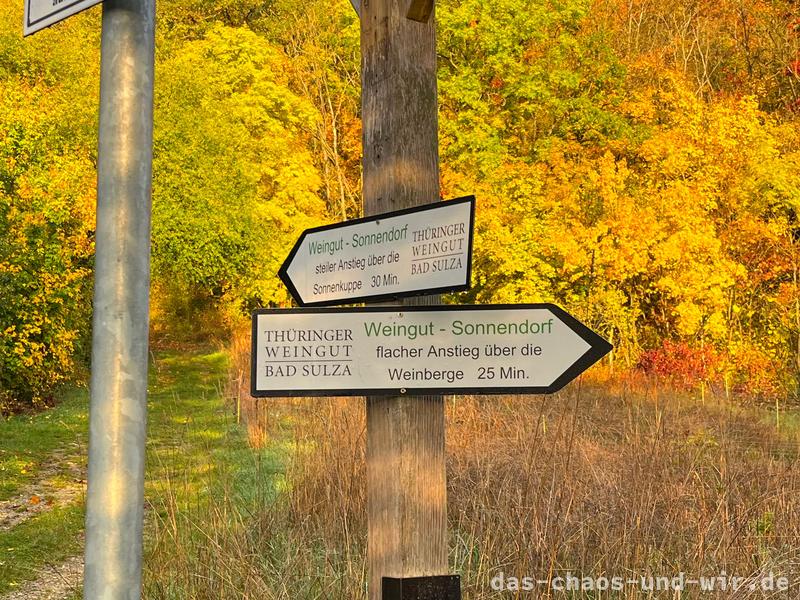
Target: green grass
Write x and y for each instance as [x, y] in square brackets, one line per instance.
[49, 538]
[787, 422]
[194, 443]
[195, 451]
[28, 441]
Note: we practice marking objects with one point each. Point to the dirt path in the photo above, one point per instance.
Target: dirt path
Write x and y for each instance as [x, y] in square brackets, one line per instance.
[55, 582]
[61, 481]
[181, 417]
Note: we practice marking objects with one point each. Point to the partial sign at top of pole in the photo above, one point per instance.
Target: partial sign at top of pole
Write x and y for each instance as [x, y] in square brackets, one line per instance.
[43, 13]
[421, 250]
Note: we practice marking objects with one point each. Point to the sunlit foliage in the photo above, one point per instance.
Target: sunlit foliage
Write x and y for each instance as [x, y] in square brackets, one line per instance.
[636, 162]
[610, 182]
[234, 179]
[47, 147]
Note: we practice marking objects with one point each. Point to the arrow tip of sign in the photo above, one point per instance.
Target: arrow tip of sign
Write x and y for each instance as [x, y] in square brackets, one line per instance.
[598, 347]
[283, 271]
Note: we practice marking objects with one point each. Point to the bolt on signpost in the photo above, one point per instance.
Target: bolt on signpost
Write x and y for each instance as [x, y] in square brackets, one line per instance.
[118, 386]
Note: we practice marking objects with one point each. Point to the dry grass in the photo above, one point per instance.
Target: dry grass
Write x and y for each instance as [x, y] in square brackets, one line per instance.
[618, 483]
[613, 479]
[250, 411]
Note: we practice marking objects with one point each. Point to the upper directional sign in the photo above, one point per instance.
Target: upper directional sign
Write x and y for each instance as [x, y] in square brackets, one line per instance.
[422, 250]
[476, 349]
[43, 13]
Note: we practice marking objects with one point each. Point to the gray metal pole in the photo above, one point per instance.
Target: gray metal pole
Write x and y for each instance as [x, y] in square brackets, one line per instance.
[118, 409]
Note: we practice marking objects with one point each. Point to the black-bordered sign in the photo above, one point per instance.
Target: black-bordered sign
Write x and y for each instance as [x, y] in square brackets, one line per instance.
[43, 13]
[421, 250]
[473, 349]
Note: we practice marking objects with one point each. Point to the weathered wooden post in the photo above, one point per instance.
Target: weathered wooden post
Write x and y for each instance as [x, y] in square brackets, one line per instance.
[406, 486]
[379, 350]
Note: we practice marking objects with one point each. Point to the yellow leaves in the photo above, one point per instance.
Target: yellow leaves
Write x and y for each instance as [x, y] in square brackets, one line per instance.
[9, 268]
[689, 318]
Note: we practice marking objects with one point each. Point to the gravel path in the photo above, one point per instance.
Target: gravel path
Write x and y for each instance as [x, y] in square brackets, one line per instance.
[46, 492]
[61, 481]
[55, 582]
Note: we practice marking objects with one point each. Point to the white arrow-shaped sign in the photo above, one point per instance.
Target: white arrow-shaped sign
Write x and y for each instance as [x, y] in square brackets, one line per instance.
[422, 250]
[43, 13]
[476, 349]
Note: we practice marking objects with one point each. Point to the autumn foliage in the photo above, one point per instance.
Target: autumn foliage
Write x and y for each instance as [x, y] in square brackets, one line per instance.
[635, 162]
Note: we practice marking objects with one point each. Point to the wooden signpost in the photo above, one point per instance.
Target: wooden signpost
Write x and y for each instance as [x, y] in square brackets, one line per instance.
[406, 482]
[404, 357]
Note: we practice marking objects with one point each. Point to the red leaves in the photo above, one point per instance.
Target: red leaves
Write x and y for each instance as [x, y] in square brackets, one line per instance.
[681, 364]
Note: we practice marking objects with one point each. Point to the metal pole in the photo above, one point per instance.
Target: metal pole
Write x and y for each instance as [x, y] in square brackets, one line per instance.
[118, 405]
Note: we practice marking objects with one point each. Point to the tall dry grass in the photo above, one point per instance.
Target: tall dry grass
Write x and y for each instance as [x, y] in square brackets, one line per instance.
[617, 482]
[614, 479]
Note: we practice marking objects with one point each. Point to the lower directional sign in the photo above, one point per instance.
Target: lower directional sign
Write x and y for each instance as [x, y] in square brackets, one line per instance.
[476, 349]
